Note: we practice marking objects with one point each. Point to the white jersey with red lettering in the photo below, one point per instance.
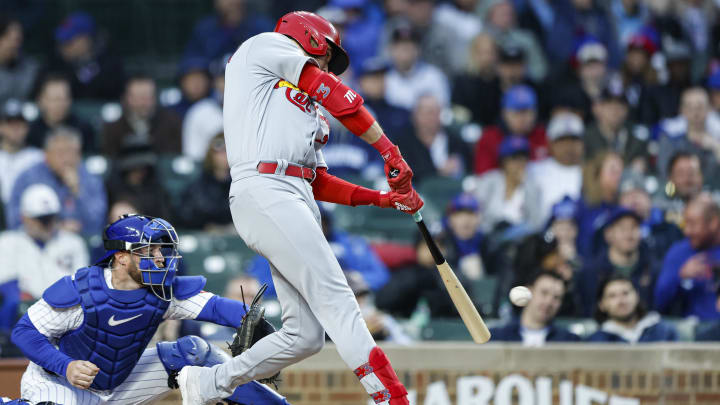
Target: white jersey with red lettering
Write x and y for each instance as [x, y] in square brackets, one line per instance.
[266, 117]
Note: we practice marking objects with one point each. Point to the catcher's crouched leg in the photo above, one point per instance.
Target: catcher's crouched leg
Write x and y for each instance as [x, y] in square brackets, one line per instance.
[195, 351]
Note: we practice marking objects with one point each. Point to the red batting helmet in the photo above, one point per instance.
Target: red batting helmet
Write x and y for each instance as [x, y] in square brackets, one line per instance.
[314, 34]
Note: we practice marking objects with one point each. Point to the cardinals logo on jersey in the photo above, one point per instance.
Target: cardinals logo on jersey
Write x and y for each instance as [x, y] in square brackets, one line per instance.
[296, 96]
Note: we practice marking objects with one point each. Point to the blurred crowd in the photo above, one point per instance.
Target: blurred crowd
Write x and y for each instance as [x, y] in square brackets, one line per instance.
[583, 135]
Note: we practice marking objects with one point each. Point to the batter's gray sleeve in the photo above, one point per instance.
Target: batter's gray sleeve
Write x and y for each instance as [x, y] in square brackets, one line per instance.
[278, 55]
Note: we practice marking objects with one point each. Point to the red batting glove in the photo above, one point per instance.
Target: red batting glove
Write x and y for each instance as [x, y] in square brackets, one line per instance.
[409, 202]
[397, 171]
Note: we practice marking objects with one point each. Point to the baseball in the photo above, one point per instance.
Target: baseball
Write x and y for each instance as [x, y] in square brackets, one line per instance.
[520, 296]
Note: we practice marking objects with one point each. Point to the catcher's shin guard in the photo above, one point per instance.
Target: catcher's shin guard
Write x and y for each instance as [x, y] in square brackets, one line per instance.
[380, 380]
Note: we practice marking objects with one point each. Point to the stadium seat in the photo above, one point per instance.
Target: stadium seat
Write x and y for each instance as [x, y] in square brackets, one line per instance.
[218, 258]
[375, 223]
[177, 172]
[437, 192]
[446, 329]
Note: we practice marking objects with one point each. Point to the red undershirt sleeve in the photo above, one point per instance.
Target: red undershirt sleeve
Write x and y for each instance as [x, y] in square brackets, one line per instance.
[329, 188]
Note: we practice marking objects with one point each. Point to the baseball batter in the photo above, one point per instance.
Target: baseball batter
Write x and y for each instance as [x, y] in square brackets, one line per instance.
[87, 337]
[274, 131]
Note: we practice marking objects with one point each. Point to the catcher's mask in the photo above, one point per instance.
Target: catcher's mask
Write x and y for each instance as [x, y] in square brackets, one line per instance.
[154, 241]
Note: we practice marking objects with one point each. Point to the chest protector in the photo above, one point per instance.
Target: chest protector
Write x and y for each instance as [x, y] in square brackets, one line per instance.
[117, 326]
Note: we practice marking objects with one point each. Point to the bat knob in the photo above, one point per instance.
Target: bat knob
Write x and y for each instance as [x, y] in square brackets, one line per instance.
[394, 173]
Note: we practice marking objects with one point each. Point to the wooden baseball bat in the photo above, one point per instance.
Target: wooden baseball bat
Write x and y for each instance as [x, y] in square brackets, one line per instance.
[469, 314]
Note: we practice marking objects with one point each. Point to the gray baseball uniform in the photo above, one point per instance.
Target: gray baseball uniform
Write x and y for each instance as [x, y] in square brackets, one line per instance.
[268, 119]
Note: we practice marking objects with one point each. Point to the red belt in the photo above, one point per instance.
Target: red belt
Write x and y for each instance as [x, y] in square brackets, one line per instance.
[292, 170]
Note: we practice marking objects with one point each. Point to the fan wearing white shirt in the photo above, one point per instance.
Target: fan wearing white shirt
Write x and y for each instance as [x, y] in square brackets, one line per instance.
[560, 174]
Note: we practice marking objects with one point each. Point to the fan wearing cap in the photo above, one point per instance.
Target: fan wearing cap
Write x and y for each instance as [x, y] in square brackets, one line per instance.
[612, 130]
[17, 71]
[505, 194]
[95, 72]
[624, 254]
[637, 71]
[462, 225]
[275, 84]
[663, 100]
[588, 76]
[15, 155]
[519, 119]
[560, 174]
[36, 255]
[193, 77]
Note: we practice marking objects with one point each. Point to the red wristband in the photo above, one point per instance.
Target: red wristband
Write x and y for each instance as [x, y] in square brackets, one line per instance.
[382, 144]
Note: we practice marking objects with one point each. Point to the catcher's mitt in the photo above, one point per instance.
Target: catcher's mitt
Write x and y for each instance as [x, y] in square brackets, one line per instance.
[254, 327]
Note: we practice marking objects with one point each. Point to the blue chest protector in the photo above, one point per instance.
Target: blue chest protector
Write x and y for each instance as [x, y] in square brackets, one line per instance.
[118, 324]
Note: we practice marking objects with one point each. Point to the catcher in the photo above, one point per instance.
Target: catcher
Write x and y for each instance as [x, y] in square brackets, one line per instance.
[87, 337]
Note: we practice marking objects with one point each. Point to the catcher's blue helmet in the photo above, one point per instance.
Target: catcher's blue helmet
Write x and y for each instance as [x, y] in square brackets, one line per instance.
[142, 235]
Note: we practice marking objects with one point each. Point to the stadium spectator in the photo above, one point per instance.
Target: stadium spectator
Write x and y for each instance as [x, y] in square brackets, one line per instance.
[221, 34]
[361, 29]
[624, 255]
[534, 327]
[94, 70]
[629, 17]
[382, 326]
[372, 84]
[82, 195]
[17, 71]
[204, 204]
[477, 88]
[38, 254]
[695, 130]
[657, 233]
[574, 19]
[588, 76]
[686, 284]
[204, 119]
[622, 316]
[685, 181]
[519, 118]
[194, 80]
[637, 72]
[54, 101]
[462, 225]
[506, 194]
[540, 251]
[560, 174]
[142, 121]
[612, 131]
[410, 77]
[134, 176]
[353, 253]
[601, 185]
[500, 22]
[458, 16]
[663, 100]
[563, 225]
[431, 149]
[15, 156]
